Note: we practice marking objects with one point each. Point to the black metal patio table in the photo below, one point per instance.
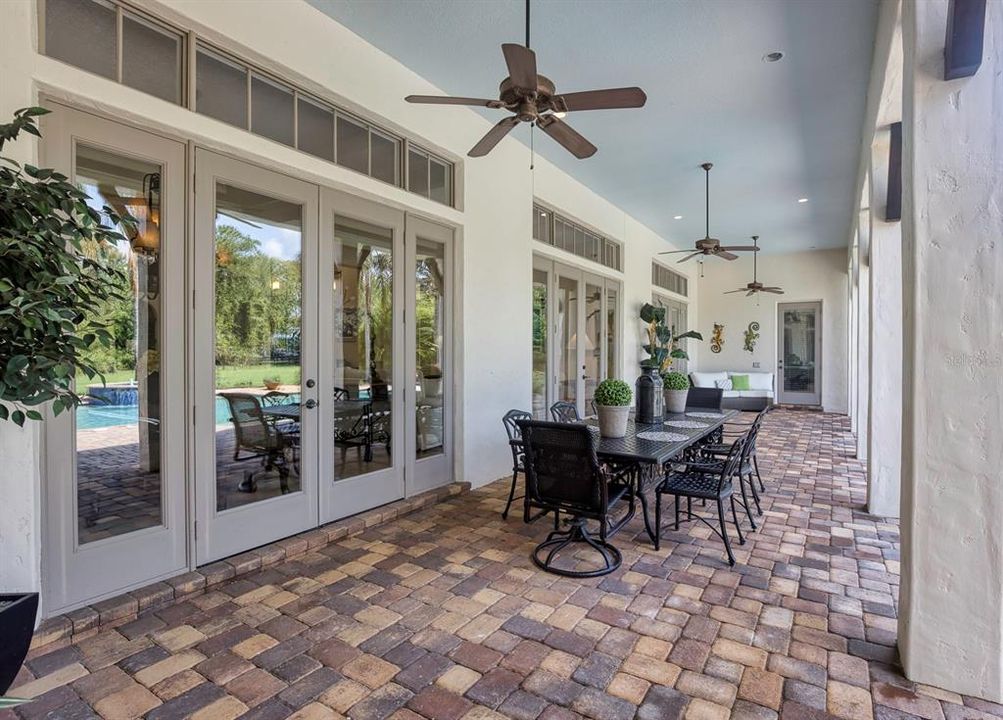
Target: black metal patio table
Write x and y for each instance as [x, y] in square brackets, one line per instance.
[650, 455]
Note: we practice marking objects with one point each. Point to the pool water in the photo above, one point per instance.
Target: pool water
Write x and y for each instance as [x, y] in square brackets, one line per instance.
[92, 417]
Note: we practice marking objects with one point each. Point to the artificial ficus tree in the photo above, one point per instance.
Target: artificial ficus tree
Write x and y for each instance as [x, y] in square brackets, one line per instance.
[53, 277]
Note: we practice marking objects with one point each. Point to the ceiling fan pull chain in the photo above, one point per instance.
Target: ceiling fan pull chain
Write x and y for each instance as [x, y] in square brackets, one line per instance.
[532, 150]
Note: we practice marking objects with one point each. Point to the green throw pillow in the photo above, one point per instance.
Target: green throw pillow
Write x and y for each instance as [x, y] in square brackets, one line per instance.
[739, 382]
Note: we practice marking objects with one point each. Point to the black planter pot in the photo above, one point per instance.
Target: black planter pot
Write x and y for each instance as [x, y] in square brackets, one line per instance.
[17, 623]
[650, 396]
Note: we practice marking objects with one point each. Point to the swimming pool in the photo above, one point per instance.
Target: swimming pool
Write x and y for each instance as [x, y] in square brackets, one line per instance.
[92, 417]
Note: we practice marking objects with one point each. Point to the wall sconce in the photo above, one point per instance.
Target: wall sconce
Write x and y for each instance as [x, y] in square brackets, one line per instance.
[146, 242]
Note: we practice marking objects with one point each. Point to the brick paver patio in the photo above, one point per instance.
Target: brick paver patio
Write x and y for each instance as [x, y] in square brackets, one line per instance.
[441, 615]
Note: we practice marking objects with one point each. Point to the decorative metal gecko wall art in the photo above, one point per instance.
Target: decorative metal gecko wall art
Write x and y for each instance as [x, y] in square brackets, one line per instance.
[751, 337]
[717, 338]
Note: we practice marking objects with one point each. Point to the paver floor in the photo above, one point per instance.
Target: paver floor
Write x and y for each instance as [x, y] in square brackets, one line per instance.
[441, 615]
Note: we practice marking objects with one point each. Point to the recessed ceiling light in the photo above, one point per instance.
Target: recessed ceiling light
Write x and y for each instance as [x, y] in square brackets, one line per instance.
[677, 217]
[772, 57]
[802, 200]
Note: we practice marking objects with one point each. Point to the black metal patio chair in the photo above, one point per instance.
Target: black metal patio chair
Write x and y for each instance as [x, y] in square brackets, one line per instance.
[563, 474]
[704, 399]
[511, 422]
[565, 412]
[690, 480]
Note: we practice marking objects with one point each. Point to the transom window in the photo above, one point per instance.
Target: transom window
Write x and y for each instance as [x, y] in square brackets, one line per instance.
[669, 280]
[555, 229]
[110, 39]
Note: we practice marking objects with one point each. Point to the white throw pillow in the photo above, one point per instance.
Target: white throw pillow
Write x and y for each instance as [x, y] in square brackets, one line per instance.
[707, 379]
[723, 384]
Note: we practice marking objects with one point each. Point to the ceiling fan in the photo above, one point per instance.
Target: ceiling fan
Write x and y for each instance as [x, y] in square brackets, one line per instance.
[708, 245]
[755, 286]
[533, 98]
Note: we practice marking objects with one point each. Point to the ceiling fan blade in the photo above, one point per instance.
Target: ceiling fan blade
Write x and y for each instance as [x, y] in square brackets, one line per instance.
[566, 136]
[750, 293]
[449, 100]
[494, 136]
[673, 252]
[774, 290]
[721, 253]
[688, 257]
[735, 291]
[611, 98]
[521, 63]
[740, 248]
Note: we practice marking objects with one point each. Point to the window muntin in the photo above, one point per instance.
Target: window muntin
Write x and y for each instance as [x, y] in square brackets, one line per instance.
[554, 229]
[109, 39]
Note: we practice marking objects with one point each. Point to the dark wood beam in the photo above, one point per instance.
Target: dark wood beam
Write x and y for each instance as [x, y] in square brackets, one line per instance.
[966, 20]
[893, 204]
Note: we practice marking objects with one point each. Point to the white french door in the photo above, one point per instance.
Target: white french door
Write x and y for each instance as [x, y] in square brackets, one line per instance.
[576, 331]
[799, 355]
[258, 392]
[362, 369]
[115, 466]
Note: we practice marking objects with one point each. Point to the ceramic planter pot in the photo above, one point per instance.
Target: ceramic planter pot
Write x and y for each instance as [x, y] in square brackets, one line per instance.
[613, 420]
[17, 623]
[675, 401]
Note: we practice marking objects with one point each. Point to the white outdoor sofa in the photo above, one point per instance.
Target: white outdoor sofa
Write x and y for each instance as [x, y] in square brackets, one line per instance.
[758, 396]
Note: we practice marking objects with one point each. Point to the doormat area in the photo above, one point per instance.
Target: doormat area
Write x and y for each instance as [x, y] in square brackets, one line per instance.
[86, 621]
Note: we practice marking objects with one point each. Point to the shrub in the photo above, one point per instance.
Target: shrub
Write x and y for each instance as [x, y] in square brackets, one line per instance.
[675, 381]
[615, 393]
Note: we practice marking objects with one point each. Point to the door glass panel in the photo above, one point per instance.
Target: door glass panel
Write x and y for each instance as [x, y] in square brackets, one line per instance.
[151, 58]
[430, 326]
[83, 34]
[799, 351]
[567, 339]
[118, 443]
[593, 341]
[259, 303]
[612, 299]
[540, 345]
[362, 347]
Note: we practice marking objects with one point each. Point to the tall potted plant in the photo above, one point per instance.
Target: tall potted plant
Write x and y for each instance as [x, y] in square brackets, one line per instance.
[53, 278]
[612, 400]
[662, 347]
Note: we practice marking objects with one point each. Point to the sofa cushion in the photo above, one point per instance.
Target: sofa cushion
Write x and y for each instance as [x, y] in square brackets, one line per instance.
[731, 394]
[740, 382]
[755, 393]
[706, 380]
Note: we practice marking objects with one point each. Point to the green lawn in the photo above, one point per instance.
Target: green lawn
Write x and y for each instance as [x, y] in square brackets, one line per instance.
[227, 376]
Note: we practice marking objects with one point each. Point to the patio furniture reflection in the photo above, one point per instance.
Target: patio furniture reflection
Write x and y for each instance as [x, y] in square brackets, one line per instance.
[258, 433]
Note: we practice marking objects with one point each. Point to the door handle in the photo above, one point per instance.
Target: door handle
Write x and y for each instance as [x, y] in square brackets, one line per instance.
[310, 404]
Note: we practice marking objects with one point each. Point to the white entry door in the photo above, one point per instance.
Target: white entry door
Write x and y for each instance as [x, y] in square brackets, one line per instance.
[258, 394]
[115, 467]
[799, 355]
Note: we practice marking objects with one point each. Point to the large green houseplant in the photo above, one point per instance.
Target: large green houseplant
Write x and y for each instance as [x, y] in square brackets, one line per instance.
[663, 348]
[52, 277]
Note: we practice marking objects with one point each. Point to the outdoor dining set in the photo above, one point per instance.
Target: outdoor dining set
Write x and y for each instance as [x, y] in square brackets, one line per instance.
[593, 484]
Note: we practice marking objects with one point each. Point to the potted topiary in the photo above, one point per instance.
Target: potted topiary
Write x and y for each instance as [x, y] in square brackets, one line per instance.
[613, 398]
[53, 278]
[677, 388]
[273, 382]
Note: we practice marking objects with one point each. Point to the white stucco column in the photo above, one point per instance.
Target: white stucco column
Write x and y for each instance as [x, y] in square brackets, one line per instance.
[852, 343]
[884, 433]
[863, 335]
[951, 609]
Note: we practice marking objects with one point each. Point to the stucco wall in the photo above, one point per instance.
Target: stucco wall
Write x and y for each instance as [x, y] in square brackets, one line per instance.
[299, 43]
[805, 276]
[951, 598]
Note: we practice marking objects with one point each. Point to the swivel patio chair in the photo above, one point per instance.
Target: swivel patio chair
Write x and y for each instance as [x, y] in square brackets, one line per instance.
[257, 435]
[565, 412]
[692, 481]
[563, 474]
